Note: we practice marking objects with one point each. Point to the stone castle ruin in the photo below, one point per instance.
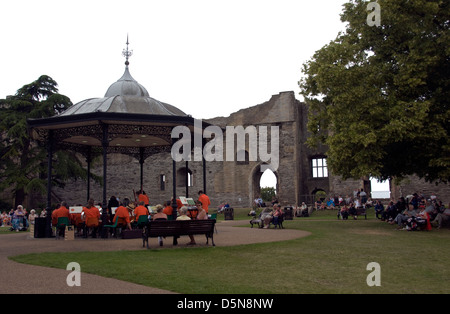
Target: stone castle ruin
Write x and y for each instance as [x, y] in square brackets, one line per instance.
[300, 174]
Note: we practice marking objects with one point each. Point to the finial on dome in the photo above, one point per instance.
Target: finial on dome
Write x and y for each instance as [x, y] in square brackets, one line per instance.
[127, 53]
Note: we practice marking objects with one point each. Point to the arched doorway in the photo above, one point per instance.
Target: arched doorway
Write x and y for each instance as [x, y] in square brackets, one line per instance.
[260, 179]
[317, 194]
[268, 179]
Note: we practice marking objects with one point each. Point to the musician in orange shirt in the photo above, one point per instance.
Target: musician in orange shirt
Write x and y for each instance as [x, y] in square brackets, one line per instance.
[62, 211]
[90, 211]
[144, 198]
[140, 210]
[204, 199]
[168, 210]
[179, 204]
[123, 213]
[91, 217]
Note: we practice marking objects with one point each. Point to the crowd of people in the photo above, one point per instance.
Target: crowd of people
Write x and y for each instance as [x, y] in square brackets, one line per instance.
[359, 199]
[123, 211]
[19, 219]
[415, 211]
[407, 213]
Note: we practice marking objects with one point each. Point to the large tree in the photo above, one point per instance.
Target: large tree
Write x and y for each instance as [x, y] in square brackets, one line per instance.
[23, 162]
[378, 96]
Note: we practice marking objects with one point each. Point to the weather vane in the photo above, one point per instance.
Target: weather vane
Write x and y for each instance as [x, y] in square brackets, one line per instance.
[127, 53]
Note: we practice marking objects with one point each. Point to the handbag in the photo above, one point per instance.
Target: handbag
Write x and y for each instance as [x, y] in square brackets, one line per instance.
[69, 234]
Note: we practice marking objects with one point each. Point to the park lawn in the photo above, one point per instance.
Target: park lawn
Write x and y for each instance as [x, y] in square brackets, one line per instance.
[333, 259]
[4, 230]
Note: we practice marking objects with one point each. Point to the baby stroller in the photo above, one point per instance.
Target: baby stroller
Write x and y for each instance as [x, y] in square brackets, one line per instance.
[415, 223]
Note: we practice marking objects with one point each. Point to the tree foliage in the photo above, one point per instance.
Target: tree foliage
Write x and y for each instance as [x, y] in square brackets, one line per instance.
[268, 193]
[23, 164]
[378, 96]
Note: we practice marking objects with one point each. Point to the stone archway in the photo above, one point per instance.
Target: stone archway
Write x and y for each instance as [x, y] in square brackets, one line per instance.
[254, 182]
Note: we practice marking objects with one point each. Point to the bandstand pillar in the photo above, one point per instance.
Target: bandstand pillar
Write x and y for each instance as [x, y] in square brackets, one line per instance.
[48, 224]
[105, 144]
[88, 161]
[174, 186]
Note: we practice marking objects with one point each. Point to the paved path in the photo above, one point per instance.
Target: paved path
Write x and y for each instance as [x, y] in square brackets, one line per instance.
[19, 278]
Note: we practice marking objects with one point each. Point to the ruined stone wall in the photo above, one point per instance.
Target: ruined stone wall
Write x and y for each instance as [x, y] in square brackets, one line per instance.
[239, 183]
[232, 181]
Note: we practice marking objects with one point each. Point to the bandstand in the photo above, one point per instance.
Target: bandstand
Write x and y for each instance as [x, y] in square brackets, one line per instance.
[126, 121]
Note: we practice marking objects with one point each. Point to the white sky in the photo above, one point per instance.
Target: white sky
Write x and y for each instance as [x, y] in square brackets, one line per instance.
[209, 58]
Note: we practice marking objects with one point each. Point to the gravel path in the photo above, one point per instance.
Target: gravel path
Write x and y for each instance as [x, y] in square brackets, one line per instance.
[19, 278]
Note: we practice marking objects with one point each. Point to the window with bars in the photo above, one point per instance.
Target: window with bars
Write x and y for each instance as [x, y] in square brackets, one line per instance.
[319, 168]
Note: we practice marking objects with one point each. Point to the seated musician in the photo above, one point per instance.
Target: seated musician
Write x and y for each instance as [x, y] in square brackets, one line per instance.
[62, 211]
[179, 204]
[91, 216]
[140, 210]
[123, 213]
[90, 211]
[168, 210]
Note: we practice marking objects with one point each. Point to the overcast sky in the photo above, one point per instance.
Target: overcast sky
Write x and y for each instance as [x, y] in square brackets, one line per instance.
[209, 58]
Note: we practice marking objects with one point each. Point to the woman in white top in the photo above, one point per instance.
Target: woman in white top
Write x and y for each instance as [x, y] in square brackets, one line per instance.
[184, 216]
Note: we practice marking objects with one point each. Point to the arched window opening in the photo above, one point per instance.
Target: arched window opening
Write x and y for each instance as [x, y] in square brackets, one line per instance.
[182, 173]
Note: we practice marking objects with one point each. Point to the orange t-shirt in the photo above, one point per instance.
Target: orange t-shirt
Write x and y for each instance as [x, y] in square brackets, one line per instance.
[144, 198]
[60, 212]
[92, 212]
[179, 204]
[204, 199]
[139, 211]
[168, 210]
[122, 212]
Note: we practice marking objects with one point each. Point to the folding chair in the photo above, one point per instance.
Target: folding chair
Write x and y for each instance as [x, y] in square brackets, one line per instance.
[61, 225]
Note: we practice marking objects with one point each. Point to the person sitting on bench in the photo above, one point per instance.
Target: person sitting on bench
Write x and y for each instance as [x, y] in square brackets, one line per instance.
[183, 216]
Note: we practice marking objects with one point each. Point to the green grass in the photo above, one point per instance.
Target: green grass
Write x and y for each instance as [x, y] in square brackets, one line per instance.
[331, 260]
[6, 230]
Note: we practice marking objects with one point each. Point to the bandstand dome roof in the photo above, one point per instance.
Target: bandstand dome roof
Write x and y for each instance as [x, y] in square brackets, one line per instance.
[124, 96]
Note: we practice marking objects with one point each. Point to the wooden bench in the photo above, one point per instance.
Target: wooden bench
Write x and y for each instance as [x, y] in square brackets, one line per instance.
[360, 211]
[259, 221]
[176, 228]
